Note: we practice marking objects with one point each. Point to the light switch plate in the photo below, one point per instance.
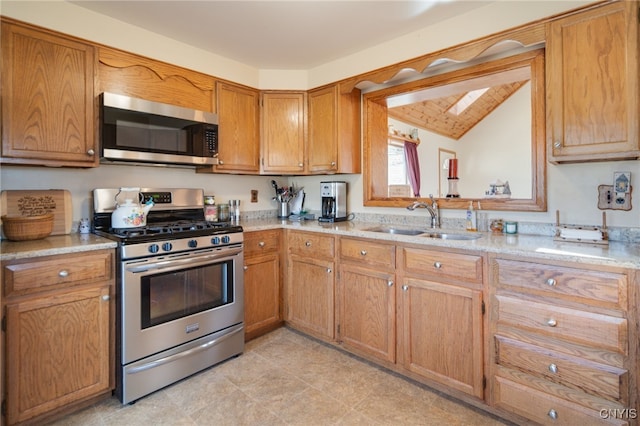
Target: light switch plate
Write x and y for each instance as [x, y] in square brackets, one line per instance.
[608, 199]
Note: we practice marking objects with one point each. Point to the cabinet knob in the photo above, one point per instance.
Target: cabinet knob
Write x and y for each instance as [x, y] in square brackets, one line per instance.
[390, 283]
[245, 267]
[437, 265]
[90, 152]
[553, 414]
[333, 164]
[363, 252]
[307, 243]
[557, 144]
[405, 287]
[106, 297]
[553, 368]
[551, 282]
[261, 244]
[220, 162]
[552, 323]
[300, 164]
[329, 270]
[64, 273]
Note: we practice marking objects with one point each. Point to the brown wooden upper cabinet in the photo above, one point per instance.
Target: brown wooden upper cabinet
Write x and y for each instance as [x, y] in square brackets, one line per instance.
[592, 85]
[239, 129]
[283, 120]
[48, 112]
[334, 131]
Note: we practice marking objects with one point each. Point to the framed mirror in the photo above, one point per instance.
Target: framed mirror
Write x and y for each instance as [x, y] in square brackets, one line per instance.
[489, 116]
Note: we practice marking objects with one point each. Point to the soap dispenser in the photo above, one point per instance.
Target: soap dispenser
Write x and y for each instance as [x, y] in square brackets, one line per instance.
[472, 220]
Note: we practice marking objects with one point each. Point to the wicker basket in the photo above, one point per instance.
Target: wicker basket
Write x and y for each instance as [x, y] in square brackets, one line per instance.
[23, 228]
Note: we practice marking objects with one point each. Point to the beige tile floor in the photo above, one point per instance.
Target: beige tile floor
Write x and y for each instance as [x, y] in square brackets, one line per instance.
[285, 378]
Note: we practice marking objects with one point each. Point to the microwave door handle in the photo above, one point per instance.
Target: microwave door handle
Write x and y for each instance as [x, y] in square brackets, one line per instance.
[173, 264]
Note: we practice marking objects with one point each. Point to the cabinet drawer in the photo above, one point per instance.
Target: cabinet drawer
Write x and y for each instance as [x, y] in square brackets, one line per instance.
[368, 252]
[591, 329]
[605, 289]
[309, 243]
[544, 408]
[467, 267]
[594, 378]
[259, 242]
[28, 276]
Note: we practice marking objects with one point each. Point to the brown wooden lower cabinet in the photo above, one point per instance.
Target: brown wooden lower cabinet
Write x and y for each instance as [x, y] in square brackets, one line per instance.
[59, 333]
[262, 284]
[562, 341]
[310, 288]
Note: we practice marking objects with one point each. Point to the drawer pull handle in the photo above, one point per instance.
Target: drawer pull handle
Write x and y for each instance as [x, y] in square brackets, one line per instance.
[551, 282]
[552, 323]
[64, 273]
[553, 414]
[390, 283]
[261, 244]
[106, 297]
[437, 265]
[307, 243]
[405, 287]
[553, 368]
[363, 252]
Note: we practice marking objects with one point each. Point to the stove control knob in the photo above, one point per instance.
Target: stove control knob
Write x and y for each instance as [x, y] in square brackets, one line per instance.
[193, 243]
[167, 246]
[226, 239]
[215, 240]
[153, 248]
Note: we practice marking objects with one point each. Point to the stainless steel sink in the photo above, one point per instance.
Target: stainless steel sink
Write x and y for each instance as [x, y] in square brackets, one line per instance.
[451, 236]
[398, 231]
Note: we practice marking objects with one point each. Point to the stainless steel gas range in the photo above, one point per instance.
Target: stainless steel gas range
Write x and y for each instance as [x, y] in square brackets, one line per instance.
[180, 288]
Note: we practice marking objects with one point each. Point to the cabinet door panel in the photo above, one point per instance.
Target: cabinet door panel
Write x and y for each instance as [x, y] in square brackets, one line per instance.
[311, 296]
[262, 292]
[442, 334]
[48, 110]
[323, 130]
[283, 132]
[239, 137]
[367, 311]
[592, 85]
[57, 351]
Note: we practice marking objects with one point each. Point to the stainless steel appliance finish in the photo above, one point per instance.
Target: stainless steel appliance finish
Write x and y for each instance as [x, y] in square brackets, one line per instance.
[141, 131]
[180, 287]
[334, 201]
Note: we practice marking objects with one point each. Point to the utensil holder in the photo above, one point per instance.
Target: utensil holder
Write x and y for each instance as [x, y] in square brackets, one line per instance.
[283, 210]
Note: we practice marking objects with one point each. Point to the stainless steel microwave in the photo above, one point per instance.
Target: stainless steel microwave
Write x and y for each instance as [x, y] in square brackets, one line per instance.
[141, 131]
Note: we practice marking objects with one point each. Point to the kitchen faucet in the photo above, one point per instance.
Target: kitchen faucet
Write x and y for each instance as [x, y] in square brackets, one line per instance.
[433, 210]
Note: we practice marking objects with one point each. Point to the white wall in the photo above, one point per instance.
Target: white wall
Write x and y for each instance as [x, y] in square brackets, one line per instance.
[571, 188]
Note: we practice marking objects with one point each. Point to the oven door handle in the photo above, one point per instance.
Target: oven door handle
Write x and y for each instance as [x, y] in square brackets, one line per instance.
[200, 348]
[181, 263]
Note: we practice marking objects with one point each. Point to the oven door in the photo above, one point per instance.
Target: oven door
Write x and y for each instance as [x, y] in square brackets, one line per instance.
[170, 300]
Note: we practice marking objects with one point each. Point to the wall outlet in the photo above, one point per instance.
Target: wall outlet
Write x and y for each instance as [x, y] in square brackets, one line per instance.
[254, 195]
[608, 199]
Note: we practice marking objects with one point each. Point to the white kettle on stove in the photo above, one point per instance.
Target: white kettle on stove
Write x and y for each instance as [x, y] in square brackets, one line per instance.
[129, 213]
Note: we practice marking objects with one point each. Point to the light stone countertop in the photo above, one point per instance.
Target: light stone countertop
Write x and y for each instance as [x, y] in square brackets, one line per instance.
[619, 254]
[58, 244]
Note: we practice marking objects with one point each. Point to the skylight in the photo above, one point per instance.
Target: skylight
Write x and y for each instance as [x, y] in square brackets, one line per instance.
[466, 101]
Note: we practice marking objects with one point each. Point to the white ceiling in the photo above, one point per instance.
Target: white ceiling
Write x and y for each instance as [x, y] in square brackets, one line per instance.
[293, 35]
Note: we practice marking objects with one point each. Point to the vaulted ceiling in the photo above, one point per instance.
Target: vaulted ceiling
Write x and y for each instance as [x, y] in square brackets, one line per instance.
[439, 115]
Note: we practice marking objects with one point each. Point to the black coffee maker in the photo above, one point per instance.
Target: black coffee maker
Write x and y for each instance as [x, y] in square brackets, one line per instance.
[334, 201]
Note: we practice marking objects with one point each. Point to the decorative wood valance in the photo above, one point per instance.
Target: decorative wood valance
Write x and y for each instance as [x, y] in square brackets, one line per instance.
[525, 36]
